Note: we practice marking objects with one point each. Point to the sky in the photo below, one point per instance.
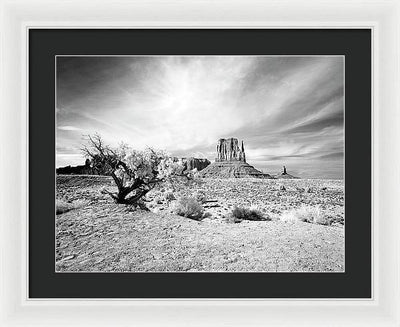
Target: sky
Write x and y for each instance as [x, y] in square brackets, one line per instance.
[288, 110]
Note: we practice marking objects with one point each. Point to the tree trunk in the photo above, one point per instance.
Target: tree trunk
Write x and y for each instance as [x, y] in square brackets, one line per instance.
[123, 192]
[133, 199]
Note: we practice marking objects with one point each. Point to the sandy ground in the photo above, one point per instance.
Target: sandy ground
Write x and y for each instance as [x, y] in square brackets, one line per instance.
[99, 235]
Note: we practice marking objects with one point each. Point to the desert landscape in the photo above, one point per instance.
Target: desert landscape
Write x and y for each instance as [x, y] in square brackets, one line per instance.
[298, 226]
[199, 164]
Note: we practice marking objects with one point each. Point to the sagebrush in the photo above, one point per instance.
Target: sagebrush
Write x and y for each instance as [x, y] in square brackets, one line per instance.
[248, 214]
[188, 207]
[308, 214]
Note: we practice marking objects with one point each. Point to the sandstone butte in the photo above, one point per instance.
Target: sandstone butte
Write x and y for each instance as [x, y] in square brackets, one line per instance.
[230, 162]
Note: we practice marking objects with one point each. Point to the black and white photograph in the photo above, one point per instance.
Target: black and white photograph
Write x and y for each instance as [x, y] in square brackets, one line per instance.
[199, 163]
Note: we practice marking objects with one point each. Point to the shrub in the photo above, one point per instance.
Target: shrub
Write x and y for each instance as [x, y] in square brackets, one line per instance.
[308, 214]
[289, 216]
[189, 207]
[248, 214]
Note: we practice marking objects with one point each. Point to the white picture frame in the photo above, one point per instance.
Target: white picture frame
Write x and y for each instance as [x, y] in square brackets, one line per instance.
[382, 17]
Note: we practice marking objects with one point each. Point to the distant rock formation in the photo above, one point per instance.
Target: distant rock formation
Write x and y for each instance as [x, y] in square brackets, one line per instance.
[231, 170]
[229, 150]
[85, 169]
[230, 162]
[285, 175]
[195, 163]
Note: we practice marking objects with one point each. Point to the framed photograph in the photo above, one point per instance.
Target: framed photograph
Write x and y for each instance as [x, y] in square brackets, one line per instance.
[177, 111]
[163, 160]
[207, 172]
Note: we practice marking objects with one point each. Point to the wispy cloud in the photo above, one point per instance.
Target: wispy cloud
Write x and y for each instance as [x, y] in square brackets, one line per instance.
[288, 110]
[68, 128]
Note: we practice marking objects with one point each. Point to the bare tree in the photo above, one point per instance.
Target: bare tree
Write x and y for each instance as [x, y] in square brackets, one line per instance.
[134, 172]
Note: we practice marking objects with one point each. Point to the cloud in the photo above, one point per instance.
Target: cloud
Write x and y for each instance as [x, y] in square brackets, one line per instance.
[286, 109]
[68, 128]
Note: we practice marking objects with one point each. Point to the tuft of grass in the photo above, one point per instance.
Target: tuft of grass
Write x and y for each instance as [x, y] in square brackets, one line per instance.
[189, 207]
[308, 214]
[248, 214]
[63, 206]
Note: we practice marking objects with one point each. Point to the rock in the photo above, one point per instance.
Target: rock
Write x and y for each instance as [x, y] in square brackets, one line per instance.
[285, 175]
[195, 163]
[231, 170]
[85, 169]
[230, 162]
[229, 150]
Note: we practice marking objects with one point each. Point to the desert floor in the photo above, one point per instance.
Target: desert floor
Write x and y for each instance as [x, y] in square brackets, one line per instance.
[98, 235]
